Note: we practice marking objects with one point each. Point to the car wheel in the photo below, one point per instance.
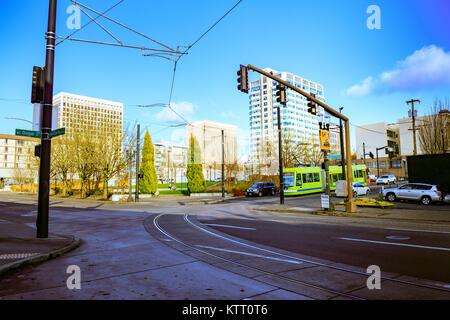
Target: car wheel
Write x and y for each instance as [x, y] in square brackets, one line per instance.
[391, 197]
[355, 194]
[272, 192]
[425, 200]
[260, 194]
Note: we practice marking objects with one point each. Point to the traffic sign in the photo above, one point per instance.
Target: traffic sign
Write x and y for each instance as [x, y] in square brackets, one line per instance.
[28, 133]
[57, 132]
[325, 201]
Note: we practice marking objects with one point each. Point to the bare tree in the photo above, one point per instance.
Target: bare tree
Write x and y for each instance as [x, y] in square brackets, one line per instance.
[112, 156]
[63, 160]
[434, 128]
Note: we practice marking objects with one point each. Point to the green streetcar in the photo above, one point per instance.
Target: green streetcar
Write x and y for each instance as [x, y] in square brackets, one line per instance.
[305, 180]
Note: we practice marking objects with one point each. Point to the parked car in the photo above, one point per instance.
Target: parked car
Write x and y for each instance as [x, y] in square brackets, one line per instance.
[360, 190]
[372, 178]
[425, 193]
[387, 179]
[261, 188]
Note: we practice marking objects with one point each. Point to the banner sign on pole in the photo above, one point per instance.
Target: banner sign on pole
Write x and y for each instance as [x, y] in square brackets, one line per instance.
[325, 140]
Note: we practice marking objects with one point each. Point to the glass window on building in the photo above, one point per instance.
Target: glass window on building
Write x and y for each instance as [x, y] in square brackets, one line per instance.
[396, 163]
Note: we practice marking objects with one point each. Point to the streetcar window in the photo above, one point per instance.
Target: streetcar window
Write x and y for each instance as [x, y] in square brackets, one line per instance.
[308, 178]
[316, 177]
[289, 179]
[299, 180]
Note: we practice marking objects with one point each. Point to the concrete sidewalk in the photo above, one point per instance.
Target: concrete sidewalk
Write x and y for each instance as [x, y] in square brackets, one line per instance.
[19, 246]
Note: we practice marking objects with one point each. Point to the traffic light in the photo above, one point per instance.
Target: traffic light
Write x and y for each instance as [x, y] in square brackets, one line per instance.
[243, 79]
[371, 155]
[312, 107]
[281, 94]
[37, 150]
[37, 85]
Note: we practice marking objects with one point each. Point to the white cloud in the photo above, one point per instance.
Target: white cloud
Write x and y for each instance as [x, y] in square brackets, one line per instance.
[425, 68]
[362, 89]
[184, 109]
[178, 136]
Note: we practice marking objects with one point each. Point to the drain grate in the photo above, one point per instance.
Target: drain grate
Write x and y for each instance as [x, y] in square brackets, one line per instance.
[10, 256]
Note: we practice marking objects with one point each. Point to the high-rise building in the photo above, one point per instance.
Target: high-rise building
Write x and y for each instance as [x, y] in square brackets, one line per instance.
[78, 114]
[297, 125]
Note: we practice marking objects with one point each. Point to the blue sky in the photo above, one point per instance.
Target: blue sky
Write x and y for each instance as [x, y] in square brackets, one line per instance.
[369, 72]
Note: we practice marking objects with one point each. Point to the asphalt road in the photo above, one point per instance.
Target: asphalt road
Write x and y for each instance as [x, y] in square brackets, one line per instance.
[118, 254]
[420, 254]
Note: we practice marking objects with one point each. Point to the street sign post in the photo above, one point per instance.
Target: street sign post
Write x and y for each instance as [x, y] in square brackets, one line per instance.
[28, 133]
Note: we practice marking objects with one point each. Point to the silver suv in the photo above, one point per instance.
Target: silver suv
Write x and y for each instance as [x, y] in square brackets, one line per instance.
[425, 193]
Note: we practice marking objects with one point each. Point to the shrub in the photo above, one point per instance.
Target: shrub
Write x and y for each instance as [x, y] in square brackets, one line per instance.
[196, 181]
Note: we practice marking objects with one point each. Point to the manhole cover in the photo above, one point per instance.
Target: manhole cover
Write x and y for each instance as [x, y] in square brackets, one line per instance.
[398, 237]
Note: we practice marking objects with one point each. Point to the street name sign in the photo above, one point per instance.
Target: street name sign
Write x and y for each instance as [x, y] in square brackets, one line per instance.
[57, 132]
[28, 133]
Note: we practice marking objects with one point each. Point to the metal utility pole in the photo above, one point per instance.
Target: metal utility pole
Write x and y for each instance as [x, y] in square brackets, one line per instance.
[168, 164]
[364, 152]
[138, 139]
[130, 158]
[413, 115]
[341, 136]
[280, 156]
[46, 122]
[223, 165]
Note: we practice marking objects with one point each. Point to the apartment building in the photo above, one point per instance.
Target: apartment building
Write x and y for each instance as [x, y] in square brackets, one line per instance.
[170, 162]
[16, 155]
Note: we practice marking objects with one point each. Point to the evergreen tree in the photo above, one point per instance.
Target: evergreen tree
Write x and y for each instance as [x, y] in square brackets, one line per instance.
[149, 182]
[194, 172]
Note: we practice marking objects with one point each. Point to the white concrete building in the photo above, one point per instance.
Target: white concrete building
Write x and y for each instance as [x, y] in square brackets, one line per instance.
[79, 113]
[170, 162]
[16, 155]
[209, 136]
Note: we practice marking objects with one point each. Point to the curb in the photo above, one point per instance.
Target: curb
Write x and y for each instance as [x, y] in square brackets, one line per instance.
[212, 201]
[76, 242]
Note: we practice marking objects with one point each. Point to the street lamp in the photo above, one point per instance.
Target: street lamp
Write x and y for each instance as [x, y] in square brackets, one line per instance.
[9, 118]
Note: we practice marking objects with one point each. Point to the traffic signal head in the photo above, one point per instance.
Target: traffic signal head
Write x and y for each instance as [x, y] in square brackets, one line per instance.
[243, 79]
[371, 155]
[281, 94]
[312, 107]
[37, 85]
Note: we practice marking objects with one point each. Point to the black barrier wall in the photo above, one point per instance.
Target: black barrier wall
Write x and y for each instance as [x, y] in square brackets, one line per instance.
[432, 169]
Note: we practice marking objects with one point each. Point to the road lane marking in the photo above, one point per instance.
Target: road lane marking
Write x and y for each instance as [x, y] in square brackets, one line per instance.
[227, 226]
[416, 230]
[250, 254]
[397, 244]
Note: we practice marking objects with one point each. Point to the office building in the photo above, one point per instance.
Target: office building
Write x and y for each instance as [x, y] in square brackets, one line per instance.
[97, 117]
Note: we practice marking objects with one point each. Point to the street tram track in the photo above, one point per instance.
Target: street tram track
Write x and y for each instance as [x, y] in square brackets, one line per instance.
[157, 224]
[167, 234]
[319, 263]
